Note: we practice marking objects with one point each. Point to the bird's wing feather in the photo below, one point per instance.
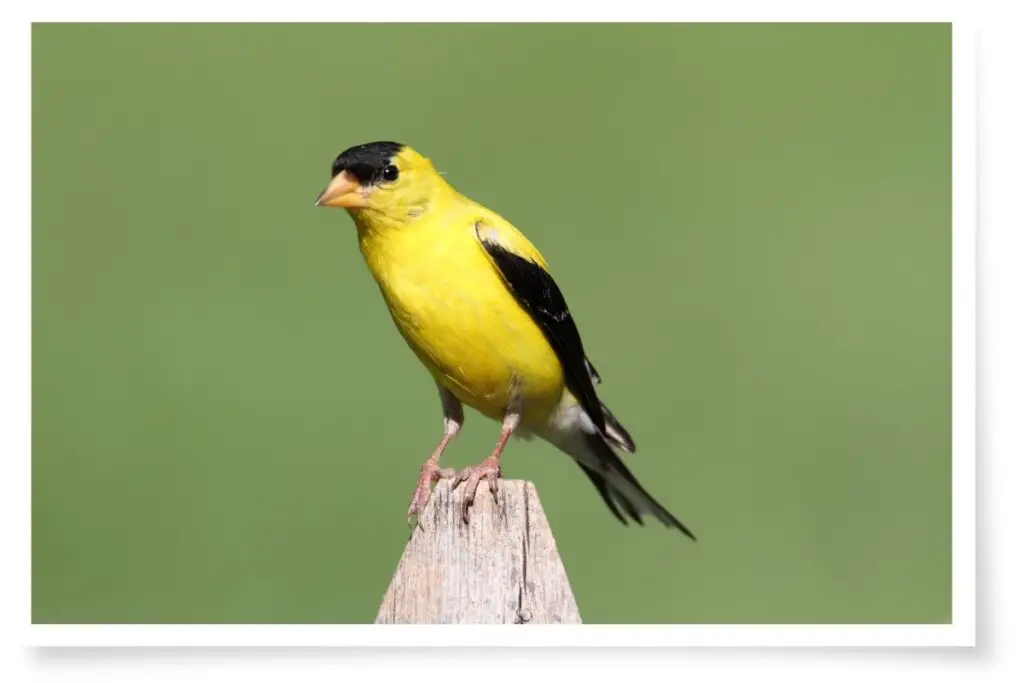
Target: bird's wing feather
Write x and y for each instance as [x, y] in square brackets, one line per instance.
[525, 273]
[527, 278]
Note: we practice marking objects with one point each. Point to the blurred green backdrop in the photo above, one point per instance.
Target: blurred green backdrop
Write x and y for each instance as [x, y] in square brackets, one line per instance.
[751, 224]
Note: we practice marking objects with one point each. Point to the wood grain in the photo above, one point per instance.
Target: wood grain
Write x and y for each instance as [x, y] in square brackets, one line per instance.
[501, 568]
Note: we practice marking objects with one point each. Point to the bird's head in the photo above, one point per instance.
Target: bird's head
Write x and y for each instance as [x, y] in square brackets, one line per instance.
[382, 183]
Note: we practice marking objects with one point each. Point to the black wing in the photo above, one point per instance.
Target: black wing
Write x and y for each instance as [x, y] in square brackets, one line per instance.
[537, 292]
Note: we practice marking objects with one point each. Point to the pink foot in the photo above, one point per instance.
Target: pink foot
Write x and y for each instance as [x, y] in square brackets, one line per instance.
[490, 470]
[430, 473]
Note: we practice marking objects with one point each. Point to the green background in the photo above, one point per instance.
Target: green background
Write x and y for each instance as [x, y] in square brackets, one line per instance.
[751, 224]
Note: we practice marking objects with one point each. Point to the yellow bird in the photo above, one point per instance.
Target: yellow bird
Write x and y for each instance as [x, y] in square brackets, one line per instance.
[476, 303]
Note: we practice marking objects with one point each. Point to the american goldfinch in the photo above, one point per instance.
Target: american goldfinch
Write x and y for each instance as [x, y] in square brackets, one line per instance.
[476, 303]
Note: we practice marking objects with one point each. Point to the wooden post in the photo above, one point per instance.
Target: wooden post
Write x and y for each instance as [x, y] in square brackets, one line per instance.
[501, 568]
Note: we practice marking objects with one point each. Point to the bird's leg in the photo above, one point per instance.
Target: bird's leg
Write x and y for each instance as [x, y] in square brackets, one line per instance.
[490, 468]
[430, 471]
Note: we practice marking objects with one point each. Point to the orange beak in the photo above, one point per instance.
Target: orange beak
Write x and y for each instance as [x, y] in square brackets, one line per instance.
[343, 191]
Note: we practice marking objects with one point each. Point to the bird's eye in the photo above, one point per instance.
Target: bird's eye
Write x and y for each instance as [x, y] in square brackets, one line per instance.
[390, 173]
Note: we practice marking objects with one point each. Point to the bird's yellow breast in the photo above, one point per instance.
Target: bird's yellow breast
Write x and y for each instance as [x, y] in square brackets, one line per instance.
[455, 312]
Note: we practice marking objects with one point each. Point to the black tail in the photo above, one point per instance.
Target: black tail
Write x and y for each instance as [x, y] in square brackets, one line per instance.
[617, 486]
[610, 498]
[614, 431]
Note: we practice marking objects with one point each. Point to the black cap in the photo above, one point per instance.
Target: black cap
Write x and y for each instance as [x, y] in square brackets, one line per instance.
[366, 162]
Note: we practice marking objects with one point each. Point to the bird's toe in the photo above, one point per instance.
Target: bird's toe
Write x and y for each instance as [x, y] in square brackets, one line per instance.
[490, 470]
[429, 474]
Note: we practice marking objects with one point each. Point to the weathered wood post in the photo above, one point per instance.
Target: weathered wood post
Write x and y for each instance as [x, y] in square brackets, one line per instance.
[501, 568]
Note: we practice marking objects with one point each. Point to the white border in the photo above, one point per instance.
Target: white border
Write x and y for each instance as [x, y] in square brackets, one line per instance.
[544, 636]
[960, 633]
[964, 281]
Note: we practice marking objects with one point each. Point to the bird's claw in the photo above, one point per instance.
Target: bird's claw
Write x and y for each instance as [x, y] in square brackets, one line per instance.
[490, 470]
[429, 474]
